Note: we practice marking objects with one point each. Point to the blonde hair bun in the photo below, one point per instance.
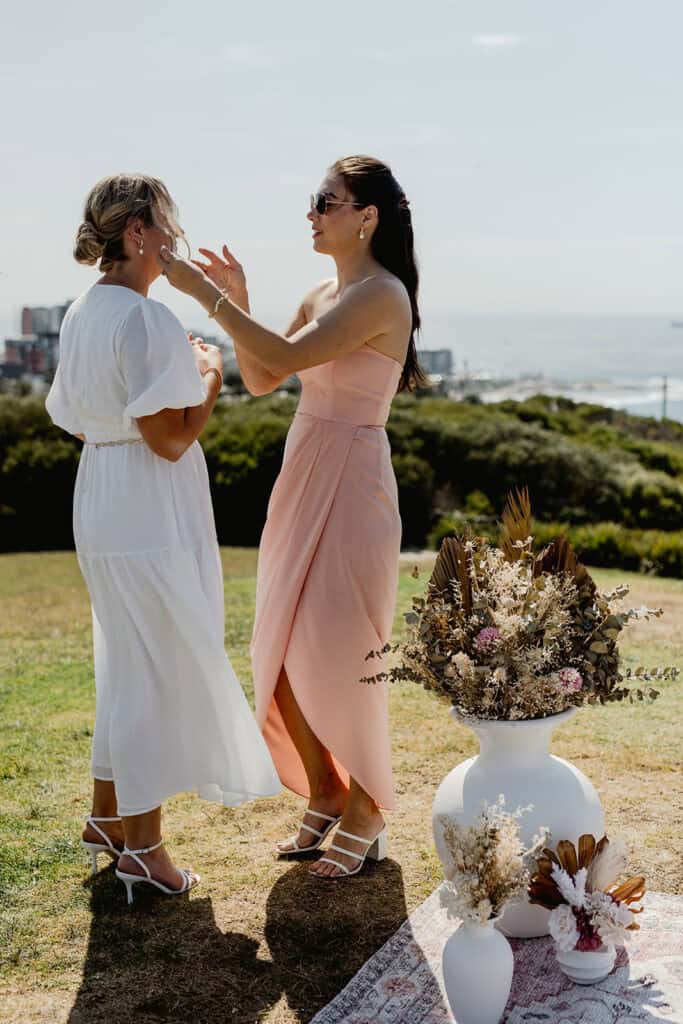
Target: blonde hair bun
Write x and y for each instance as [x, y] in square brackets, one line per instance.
[89, 244]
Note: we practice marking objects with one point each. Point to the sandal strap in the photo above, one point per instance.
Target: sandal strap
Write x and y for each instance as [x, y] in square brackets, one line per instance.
[187, 879]
[101, 832]
[358, 839]
[345, 850]
[134, 855]
[338, 864]
[313, 830]
[145, 849]
[319, 814]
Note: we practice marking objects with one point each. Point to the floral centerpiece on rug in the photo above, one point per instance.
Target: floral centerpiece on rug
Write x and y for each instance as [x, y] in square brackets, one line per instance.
[504, 633]
[589, 911]
[486, 866]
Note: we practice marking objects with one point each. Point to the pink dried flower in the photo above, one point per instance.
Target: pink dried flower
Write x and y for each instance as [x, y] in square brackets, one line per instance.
[487, 639]
[589, 940]
[570, 679]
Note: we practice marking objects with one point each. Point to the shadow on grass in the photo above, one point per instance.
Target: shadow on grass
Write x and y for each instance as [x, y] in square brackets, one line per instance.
[320, 933]
[167, 959]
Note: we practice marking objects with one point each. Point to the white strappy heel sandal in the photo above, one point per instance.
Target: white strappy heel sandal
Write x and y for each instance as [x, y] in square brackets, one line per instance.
[376, 850]
[190, 879]
[106, 847]
[321, 834]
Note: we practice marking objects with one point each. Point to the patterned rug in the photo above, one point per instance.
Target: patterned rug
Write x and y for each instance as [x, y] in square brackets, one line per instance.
[402, 983]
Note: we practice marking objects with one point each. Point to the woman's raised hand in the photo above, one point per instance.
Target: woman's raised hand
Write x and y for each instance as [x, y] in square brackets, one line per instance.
[227, 274]
[207, 357]
[181, 273]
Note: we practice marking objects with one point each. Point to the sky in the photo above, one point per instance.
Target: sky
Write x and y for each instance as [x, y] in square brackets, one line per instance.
[540, 143]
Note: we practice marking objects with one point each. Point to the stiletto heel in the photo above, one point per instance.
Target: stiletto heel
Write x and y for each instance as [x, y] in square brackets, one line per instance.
[376, 850]
[190, 879]
[95, 848]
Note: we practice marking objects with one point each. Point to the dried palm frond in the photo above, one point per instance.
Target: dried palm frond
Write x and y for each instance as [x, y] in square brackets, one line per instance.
[630, 891]
[451, 565]
[544, 892]
[587, 846]
[567, 857]
[601, 860]
[559, 557]
[515, 523]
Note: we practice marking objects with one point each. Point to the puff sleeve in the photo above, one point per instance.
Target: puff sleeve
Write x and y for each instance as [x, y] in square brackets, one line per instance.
[156, 362]
[60, 410]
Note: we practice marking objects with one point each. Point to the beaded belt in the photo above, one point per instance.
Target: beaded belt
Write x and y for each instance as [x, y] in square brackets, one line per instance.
[112, 444]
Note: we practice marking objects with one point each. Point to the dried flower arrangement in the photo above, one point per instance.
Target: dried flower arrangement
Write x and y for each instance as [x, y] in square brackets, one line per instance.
[588, 909]
[486, 863]
[507, 634]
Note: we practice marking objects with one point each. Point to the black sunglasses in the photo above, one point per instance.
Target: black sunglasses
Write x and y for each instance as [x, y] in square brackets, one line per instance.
[320, 203]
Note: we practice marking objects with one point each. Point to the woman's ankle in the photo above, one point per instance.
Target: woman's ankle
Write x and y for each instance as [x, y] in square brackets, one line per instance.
[107, 816]
[363, 807]
[328, 787]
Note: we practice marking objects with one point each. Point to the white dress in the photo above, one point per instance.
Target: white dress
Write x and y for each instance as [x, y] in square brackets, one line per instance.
[171, 715]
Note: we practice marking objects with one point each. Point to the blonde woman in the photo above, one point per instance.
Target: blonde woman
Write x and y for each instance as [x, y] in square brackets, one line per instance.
[328, 558]
[171, 715]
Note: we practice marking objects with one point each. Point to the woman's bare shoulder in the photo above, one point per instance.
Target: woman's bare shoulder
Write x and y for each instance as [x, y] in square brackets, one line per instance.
[318, 293]
[387, 292]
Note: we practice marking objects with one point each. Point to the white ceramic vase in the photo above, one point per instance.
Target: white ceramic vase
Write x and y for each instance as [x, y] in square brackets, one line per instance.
[514, 760]
[477, 967]
[585, 968]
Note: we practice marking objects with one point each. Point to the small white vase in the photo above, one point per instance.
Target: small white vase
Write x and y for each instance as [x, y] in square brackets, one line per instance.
[587, 967]
[477, 971]
[514, 760]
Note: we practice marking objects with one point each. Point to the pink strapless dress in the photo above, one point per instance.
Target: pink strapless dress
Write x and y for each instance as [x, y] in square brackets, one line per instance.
[328, 572]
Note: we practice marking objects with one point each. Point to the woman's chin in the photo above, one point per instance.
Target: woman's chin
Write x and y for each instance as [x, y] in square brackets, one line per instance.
[319, 244]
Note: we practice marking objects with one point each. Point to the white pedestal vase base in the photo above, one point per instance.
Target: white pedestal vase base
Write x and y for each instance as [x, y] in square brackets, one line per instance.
[477, 972]
[514, 760]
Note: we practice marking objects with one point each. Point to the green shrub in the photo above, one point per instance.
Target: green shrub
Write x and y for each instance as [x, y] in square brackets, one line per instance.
[243, 445]
[583, 465]
[415, 479]
[608, 545]
[38, 464]
[652, 500]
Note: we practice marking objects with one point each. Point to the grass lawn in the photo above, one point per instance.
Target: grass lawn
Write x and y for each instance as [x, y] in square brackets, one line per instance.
[260, 939]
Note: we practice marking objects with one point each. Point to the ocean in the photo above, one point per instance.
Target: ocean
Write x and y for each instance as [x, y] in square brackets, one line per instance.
[619, 361]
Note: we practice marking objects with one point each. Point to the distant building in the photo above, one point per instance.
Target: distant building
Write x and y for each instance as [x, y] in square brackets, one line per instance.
[42, 320]
[436, 361]
[34, 354]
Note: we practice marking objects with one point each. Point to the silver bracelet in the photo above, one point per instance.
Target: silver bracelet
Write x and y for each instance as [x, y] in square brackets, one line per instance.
[221, 298]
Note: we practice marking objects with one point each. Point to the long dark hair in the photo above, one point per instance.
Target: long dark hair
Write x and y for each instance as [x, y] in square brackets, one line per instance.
[371, 183]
